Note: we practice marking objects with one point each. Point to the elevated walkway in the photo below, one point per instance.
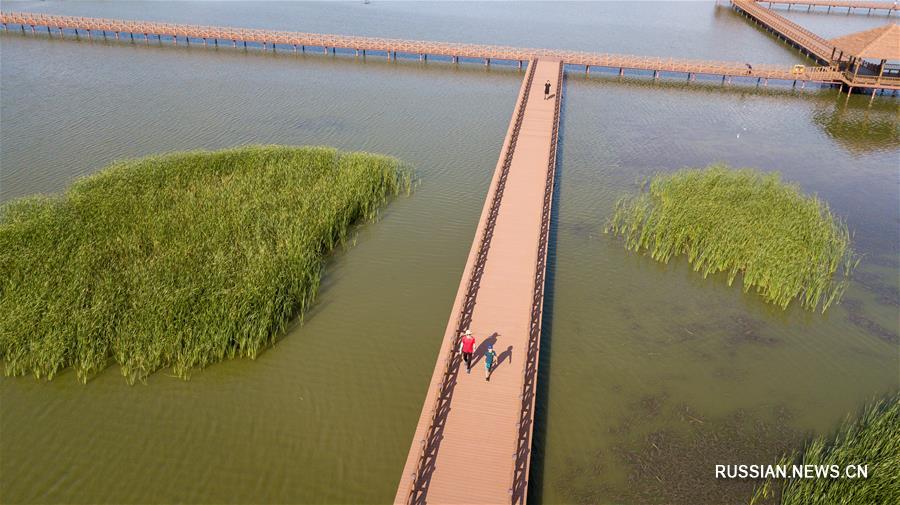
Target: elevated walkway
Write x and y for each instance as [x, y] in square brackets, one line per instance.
[473, 440]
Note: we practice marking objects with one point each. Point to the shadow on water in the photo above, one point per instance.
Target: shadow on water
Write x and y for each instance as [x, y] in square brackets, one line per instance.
[538, 438]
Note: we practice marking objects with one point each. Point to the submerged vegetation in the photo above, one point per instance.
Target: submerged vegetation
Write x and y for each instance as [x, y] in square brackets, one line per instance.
[785, 244]
[872, 440]
[181, 260]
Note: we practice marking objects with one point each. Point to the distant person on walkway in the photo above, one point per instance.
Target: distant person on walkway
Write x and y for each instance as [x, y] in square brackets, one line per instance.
[547, 90]
[749, 68]
[490, 357]
[467, 347]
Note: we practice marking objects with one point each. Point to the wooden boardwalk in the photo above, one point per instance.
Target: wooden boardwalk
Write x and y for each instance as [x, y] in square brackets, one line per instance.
[147, 32]
[820, 49]
[813, 45]
[473, 440]
[890, 7]
[216, 36]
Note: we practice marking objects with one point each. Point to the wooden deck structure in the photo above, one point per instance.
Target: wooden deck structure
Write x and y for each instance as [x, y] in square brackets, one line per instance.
[143, 31]
[822, 50]
[473, 440]
[806, 41]
[890, 7]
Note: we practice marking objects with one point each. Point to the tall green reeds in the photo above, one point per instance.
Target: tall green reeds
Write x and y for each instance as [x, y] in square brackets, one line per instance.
[786, 245]
[872, 440]
[180, 260]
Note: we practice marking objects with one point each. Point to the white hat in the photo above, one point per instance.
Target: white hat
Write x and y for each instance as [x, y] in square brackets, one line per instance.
[468, 332]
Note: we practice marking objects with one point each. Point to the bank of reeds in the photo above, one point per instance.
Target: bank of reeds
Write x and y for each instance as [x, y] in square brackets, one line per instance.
[786, 245]
[872, 440]
[179, 260]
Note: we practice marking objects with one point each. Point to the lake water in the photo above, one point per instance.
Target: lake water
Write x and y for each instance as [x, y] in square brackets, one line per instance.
[650, 375]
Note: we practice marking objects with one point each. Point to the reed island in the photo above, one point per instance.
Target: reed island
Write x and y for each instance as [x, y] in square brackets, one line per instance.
[180, 260]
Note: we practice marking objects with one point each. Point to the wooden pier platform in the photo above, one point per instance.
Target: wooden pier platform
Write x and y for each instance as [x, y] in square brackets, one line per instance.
[473, 439]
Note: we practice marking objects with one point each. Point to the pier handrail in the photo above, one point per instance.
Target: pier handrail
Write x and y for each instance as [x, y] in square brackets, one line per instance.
[850, 4]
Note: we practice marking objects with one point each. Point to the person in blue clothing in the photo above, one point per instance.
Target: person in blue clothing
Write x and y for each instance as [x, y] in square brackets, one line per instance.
[490, 358]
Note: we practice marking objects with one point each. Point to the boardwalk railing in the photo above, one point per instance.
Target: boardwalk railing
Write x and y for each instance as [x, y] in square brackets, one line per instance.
[849, 4]
[815, 45]
[390, 47]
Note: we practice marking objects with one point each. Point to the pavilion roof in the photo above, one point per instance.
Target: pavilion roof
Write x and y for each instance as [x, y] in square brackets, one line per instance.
[882, 43]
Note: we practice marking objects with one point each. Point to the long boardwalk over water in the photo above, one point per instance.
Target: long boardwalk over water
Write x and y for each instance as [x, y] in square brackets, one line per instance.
[147, 32]
[890, 7]
[473, 440]
[813, 45]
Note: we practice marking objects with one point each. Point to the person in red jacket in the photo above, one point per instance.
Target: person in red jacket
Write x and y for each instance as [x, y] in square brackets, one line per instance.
[467, 347]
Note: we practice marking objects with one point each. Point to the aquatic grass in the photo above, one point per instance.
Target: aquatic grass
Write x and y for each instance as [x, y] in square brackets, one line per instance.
[179, 260]
[873, 440]
[785, 244]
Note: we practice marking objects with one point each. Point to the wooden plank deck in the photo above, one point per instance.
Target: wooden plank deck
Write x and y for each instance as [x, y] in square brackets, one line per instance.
[472, 441]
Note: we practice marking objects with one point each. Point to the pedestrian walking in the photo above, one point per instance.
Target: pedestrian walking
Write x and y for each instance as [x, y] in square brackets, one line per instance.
[749, 68]
[490, 357]
[467, 347]
[547, 90]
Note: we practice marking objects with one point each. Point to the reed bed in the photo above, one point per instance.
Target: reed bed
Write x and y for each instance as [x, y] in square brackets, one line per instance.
[180, 260]
[872, 440]
[786, 245]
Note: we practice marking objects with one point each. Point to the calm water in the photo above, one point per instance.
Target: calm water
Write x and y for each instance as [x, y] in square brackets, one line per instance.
[650, 374]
